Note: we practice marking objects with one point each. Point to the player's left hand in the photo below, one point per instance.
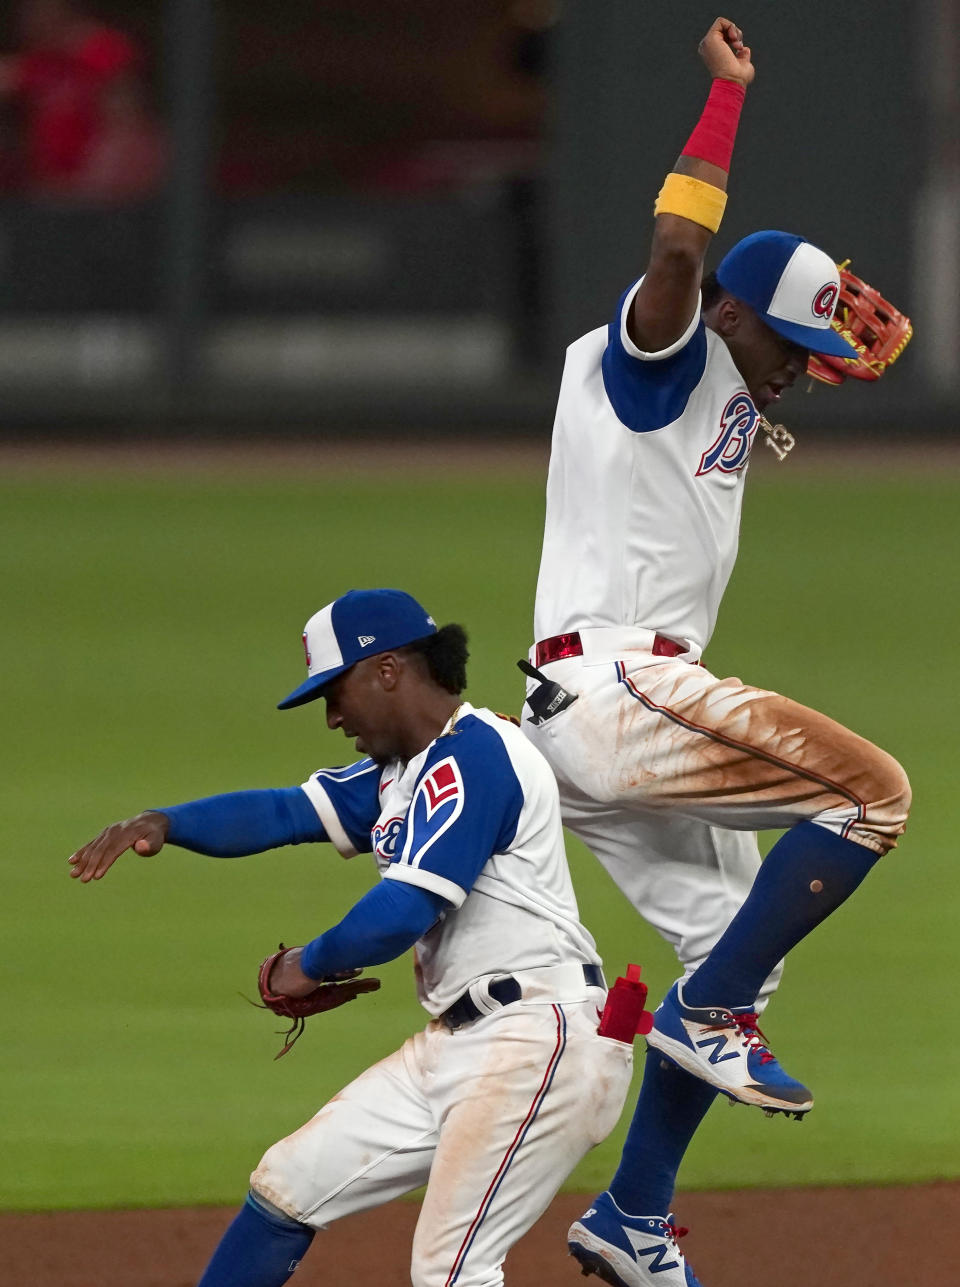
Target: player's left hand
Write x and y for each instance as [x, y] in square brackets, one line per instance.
[724, 53]
[287, 991]
[287, 978]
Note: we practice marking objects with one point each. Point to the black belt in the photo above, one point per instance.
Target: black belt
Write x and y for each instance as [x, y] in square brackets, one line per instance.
[505, 991]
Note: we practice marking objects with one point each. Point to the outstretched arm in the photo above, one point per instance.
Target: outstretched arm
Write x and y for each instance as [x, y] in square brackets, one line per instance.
[223, 826]
[692, 200]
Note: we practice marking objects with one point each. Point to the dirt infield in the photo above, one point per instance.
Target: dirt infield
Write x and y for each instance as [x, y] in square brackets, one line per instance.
[762, 1238]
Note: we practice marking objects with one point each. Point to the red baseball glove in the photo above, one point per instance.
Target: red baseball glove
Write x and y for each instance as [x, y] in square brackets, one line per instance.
[331, 991]
[878, 331]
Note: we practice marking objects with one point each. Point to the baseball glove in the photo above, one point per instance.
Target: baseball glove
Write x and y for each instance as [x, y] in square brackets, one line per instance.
[330, 992]
[878, 331]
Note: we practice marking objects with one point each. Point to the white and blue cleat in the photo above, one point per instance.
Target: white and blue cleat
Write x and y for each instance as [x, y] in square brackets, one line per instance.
[629, 1251]
[725, 1048]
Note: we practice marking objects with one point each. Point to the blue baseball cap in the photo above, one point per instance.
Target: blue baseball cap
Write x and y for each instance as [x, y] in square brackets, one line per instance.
[792, 285]
[361, 623]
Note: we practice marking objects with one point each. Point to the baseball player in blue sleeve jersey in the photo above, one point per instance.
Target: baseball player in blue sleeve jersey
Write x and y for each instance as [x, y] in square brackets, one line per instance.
[666, 770]
[510, 1083]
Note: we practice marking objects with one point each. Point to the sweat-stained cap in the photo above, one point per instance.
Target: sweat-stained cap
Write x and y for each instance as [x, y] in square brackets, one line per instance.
[361, 623]
[791, 284]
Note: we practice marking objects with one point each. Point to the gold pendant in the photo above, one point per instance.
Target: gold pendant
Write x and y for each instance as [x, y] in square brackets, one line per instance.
[778, 437]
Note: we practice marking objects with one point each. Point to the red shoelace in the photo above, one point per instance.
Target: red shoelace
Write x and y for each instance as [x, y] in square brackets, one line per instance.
[747, 1023]
[747, 1026]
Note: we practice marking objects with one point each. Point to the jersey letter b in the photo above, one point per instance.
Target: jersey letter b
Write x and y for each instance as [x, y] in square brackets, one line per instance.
[738, 426]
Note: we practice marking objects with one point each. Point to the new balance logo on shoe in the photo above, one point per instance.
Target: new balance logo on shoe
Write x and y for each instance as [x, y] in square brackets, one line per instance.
[657, 1253]
[718, 1043]
[628, 1250]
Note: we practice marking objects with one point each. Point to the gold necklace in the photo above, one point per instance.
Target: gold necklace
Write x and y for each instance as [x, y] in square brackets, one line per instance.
[451, 722]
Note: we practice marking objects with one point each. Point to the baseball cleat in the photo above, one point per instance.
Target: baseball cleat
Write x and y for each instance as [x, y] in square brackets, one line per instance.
[629, 1251]
[725, 1048]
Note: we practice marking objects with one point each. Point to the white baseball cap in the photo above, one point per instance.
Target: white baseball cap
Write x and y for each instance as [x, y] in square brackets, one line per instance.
[791, 284]
[361, 623]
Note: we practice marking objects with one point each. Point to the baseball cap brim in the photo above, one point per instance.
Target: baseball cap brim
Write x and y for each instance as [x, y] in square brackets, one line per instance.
[816, 339]
[311, 688]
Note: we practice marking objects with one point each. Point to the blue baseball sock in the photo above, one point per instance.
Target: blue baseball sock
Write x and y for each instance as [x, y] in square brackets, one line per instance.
[807, 874]
[671, 1106]
[261, 1248]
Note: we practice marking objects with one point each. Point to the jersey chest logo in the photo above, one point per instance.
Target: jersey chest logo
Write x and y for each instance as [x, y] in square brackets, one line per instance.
[738, 427]
[385, 835]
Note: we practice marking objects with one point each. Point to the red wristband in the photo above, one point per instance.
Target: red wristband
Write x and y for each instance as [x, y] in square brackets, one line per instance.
[713, 135]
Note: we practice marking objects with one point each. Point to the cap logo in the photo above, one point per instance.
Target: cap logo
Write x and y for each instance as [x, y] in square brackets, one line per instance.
[825, 300]
[365, 640]
[306, 648]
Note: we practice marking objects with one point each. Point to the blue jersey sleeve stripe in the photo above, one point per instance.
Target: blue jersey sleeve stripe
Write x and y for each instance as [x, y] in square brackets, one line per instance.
[651, 392]
[350, 771]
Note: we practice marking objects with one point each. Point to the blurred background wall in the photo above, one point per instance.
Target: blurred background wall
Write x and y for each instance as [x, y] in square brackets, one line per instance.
[394, 214]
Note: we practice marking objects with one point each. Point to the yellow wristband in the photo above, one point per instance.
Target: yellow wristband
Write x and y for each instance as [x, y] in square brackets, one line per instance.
[692, 199]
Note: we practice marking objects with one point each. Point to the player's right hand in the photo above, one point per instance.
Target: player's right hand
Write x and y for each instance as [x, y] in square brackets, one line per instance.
[724, 53]
[145, 834]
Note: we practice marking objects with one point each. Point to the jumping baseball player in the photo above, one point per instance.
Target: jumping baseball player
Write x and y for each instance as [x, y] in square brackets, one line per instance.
[510, 1083]
[666, 770]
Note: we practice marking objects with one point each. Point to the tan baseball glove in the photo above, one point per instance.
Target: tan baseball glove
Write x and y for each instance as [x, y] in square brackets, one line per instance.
[878, 331]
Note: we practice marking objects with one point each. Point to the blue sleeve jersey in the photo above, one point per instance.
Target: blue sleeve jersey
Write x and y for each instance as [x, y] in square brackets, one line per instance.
[434, 822]
[649, 392]
[347, 802]
[473, 821]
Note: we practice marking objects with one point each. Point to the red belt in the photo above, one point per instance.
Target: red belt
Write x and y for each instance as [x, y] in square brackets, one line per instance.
[570, 645]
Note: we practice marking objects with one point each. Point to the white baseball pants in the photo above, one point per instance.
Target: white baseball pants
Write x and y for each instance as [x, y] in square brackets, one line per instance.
[666, 771]
[491, 1117]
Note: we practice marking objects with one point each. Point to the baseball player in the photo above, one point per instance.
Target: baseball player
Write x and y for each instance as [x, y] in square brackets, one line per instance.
[496, 1100]
[666, 770]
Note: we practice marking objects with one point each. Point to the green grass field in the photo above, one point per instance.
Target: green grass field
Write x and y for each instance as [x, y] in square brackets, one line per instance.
[150, 625]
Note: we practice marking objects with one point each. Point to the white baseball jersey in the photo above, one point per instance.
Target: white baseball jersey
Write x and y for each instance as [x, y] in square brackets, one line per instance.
[475, 813]
[492, 1115]
[645, 485]
[665, 770]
